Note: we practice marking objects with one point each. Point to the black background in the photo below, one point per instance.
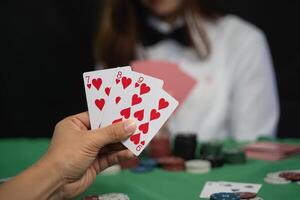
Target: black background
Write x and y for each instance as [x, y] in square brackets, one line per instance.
[47, 45]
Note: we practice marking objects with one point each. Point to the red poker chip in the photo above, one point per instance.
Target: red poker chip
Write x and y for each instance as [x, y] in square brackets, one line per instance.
[247, 195]
[172, 163]
[292, 176]
[129, 164]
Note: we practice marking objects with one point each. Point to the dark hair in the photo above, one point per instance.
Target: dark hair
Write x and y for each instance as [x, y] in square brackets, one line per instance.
[121, 26]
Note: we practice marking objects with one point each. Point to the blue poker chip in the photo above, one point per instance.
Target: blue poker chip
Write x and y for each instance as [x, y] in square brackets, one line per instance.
[151, 163]
[224, 196]
[142, 169]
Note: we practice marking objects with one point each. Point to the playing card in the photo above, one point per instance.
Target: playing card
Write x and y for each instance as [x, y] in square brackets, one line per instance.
[130, 98]
[270, 151]
[97, 86]
[220, 186]
[176, 82]
[150, 116]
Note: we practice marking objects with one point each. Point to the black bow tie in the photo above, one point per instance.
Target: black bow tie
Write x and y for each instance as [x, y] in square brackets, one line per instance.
[151, 36]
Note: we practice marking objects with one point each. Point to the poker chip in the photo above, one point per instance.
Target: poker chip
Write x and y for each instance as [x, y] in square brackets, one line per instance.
[172, 163]
[282, 177]
[212, 152]
[234, 156]
[276, 181]
[215, 160]
[291, 176]
[130, 163]
[197, 166]
[141, 169]
[112, 170]
[160, 146]
[224, 196]
[246, 195]
[149, 163]
[211, 148]
[185, 145]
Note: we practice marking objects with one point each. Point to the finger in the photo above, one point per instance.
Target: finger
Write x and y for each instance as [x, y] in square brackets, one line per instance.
[110, 148]
[114, 158]
[113, 133]
[84, 118]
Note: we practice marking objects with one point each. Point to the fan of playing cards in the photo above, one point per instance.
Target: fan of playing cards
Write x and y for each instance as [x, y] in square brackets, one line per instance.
[117, 94]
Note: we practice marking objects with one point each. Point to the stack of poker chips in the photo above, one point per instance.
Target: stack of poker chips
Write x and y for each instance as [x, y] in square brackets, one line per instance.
[185, 145]
[212, 151]
[224, 196]
[160, 145]
[197, 166]
[234, 196]
[234, 156]
[283, 177]
[130, 163]
[172, 163]
[145, 165]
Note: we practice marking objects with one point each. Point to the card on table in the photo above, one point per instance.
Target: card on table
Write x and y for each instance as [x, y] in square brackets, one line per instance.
[141, 98]
[97, 86]
[270, 151]
[211, 187]
[171, 74]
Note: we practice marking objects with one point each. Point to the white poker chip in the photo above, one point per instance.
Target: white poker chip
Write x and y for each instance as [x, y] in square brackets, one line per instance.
[197, 166]
[112, 170]
[113, 196]
[276, 180]
[276, 175]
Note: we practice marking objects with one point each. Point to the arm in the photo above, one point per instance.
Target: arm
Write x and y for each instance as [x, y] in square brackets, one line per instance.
[254, 109]
[74, 158]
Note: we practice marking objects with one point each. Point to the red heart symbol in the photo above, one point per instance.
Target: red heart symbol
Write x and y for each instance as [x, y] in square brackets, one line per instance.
[135, 100]
[89, 85]
[117, 81]
[162, 104]
[154, 114]
[107, 90]
[117, 100]
[139, 115]
[117, 120]
[144, 127]
[143, 143]
[144, 89]
[97, 83]
[125, 112]
[126, 82]
[135, 138]
[136, 85]
[100, 103]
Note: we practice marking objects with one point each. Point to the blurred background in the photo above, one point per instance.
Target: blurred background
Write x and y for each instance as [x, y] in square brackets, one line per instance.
[47, 45]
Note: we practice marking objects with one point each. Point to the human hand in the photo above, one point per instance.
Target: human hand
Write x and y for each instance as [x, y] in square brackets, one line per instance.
[80, 154]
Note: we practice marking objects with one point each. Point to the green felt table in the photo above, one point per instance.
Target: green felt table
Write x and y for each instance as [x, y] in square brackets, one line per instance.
[18, 154]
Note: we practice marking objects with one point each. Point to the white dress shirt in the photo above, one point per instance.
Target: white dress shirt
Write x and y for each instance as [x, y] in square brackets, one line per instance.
[236, 94]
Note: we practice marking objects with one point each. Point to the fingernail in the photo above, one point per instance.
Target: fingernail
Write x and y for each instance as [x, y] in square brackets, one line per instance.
[129, 126]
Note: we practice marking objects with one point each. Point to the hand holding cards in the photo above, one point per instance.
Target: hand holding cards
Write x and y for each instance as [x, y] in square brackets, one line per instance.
[114, 95]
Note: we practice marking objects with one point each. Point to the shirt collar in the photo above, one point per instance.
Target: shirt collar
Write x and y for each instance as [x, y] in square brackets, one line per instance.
[165, 27]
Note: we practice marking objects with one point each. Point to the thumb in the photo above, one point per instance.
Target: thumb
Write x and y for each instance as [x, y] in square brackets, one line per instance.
[114, 133]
